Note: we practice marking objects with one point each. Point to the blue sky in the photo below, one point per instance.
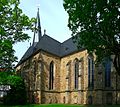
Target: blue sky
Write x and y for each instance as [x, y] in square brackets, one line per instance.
[54, 20]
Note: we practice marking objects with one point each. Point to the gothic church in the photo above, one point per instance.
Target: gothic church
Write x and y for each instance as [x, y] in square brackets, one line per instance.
[57, 72]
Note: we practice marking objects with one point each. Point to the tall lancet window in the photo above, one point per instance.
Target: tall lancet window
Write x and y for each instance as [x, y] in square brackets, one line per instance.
[51, 76]
[90, 71]
[68, 76]
[80, 74]
[107, 72]
[76, 68]
[80, 66]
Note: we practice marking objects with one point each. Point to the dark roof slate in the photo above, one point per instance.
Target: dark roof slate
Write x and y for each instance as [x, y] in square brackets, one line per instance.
[49, 44]
[67, 47]
[52, 46]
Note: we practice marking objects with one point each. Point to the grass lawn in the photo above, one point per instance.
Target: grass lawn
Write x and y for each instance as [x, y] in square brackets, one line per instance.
[61, 105]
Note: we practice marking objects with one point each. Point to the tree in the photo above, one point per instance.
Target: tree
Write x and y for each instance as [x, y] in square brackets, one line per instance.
[17, 92]
[13, 23]
[95, 24]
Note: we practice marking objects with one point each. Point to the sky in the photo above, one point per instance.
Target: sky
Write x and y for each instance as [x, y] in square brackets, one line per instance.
[54, 20]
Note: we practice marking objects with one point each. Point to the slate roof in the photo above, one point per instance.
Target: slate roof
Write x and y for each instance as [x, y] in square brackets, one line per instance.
[68, 47]
[52, 46]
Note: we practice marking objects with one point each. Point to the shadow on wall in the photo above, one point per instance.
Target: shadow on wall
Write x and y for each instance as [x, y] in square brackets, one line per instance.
[118, 89]
[44, 77]
[107, 97]
[33, 98]
[89, 97]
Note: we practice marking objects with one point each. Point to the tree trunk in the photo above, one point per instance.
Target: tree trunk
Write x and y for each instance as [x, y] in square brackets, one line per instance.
[117, 63]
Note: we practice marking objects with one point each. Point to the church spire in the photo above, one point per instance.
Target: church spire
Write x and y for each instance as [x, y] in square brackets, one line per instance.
[34, 34]
[39, 26]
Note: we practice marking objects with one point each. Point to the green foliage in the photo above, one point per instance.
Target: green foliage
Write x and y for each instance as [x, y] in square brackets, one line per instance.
[13, 23]
[3, 76]
[95, 25]
[17, 94]
[6, 54]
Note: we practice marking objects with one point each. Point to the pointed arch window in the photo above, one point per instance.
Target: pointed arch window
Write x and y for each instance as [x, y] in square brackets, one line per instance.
[76, 73]
[68, 76]
[80, 75]
[67, 70]
[80, 66]
[90, 72]
[107, 72]
[51, 76]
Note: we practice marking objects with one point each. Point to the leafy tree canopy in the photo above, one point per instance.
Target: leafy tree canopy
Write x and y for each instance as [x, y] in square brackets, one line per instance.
[17, 91]
[13, 23]
[95, 24]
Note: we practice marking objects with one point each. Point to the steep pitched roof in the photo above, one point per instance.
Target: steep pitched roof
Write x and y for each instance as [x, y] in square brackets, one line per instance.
[68, 47]
[27, 54]
[52, 46]
[49, 44]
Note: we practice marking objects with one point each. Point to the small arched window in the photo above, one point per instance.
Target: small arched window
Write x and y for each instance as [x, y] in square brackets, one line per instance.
[90, 99]
[67, 70]
[64, 99]
[51, 76]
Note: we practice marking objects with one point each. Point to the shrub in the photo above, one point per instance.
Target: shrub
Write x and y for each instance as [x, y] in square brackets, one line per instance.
[17, 94]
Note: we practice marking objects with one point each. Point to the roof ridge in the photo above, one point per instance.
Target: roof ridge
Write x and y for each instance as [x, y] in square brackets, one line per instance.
[52, 38]
[67, 40]
[52, 46]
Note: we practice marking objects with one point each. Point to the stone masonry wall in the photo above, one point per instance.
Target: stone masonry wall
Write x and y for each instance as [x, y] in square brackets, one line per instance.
[64, 91]
[75, 95]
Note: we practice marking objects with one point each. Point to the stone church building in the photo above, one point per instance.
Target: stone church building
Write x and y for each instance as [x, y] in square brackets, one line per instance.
[57, 72]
